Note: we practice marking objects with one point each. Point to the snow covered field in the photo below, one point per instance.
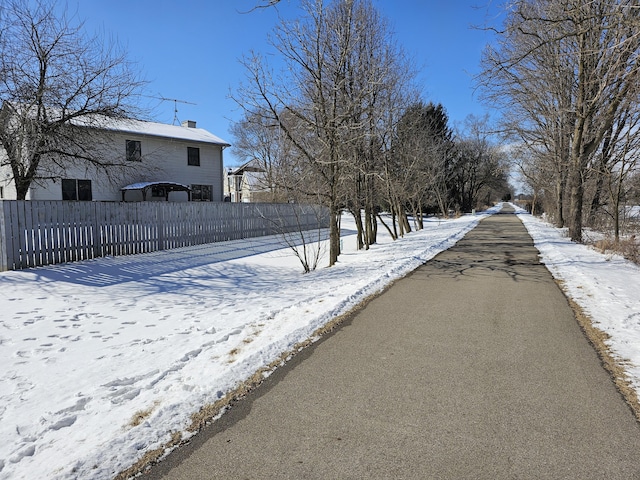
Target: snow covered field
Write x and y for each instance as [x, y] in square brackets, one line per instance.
[102, 360]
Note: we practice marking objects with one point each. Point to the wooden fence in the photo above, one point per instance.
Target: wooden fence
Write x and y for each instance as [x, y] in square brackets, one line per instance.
[35, 233]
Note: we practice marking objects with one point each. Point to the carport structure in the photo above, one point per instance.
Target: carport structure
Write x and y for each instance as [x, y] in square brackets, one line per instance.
[165, 187]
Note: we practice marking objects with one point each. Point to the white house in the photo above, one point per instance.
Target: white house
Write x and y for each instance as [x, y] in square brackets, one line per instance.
[247, 183]
[161, 162]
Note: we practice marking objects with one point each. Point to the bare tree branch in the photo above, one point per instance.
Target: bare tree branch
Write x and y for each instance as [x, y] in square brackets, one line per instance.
[56, 83]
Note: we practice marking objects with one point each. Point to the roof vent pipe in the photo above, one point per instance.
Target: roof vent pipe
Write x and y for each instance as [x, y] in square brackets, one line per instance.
[189, 124]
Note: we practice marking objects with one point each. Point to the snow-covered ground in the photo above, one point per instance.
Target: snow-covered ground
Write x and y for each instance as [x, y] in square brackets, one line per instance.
[102, 360]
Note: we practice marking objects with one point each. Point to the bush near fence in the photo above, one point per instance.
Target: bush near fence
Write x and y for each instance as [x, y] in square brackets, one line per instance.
[35, 233]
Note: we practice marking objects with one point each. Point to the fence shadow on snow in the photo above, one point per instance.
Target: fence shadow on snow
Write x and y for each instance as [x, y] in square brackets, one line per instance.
[147, 268]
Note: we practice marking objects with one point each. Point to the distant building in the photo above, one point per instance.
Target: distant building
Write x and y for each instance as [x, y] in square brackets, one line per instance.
[162, 163]
[247, 183]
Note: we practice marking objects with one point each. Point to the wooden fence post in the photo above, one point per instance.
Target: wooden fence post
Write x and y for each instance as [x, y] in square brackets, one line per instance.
[160, 220]
[4, 240]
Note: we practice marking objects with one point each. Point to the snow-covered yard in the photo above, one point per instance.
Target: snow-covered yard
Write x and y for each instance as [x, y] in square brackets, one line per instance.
[103, 360]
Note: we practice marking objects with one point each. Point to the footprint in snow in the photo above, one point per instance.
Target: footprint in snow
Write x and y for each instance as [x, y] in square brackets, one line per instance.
[632, 320]
[79, 405]
[64, 422]
[124, 394]
[25, 452]
[191, 354]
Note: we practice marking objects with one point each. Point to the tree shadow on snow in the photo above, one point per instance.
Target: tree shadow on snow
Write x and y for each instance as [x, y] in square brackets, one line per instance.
[103, 272]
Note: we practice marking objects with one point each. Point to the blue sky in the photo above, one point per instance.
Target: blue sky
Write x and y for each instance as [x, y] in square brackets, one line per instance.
[190, 50]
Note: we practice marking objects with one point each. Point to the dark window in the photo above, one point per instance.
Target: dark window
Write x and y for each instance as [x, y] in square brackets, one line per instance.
[84, 190]
[134, 151]
[193, 156]
[69, 190]
[73, 189]
[201, 193]
[158, 192]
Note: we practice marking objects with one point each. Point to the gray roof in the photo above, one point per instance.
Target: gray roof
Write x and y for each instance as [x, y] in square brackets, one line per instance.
[142, 127]
[143, 185]
[163, 130]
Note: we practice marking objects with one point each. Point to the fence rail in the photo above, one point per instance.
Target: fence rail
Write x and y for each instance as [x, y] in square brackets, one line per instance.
[35, 233]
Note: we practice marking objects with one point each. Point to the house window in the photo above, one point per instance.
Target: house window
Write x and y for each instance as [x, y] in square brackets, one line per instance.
[73, 189]
[1, 192]
[193, 156]
[134, 151]
[201, 193]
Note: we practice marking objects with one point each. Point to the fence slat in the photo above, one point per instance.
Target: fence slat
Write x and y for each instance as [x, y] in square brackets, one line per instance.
[4, 264]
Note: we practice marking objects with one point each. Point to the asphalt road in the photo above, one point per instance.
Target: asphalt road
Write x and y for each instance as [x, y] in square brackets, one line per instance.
[472, 367]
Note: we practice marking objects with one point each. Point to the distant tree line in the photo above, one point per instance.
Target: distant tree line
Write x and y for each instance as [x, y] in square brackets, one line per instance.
[341, 123]
[565, 75]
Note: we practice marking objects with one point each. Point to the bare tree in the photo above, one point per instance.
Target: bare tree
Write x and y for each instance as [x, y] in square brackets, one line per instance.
[480, 164]
[262, 143]
[336, 69]
[538, 173]
[302, 227]
[567, 68]
[615, 164]
[56, 84]
[390, 174]
[263, 4]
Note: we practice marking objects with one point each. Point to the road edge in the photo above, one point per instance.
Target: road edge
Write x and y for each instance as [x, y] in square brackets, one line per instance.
[613, 364]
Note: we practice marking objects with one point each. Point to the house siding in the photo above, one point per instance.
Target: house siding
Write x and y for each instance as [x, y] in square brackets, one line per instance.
[163, 159]
[8, 187]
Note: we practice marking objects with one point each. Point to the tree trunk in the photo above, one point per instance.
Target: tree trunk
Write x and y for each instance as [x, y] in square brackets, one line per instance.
[560, 186]
[369, 213]
[394, 223]
[391, 232]
[414, 211]
[404, 221]
[441, 206]
[574, 221]
[334, 235]
[368, 228]
[616, 220]
[22, 188]
[374, 226]
[596, 201]
[361, 233]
